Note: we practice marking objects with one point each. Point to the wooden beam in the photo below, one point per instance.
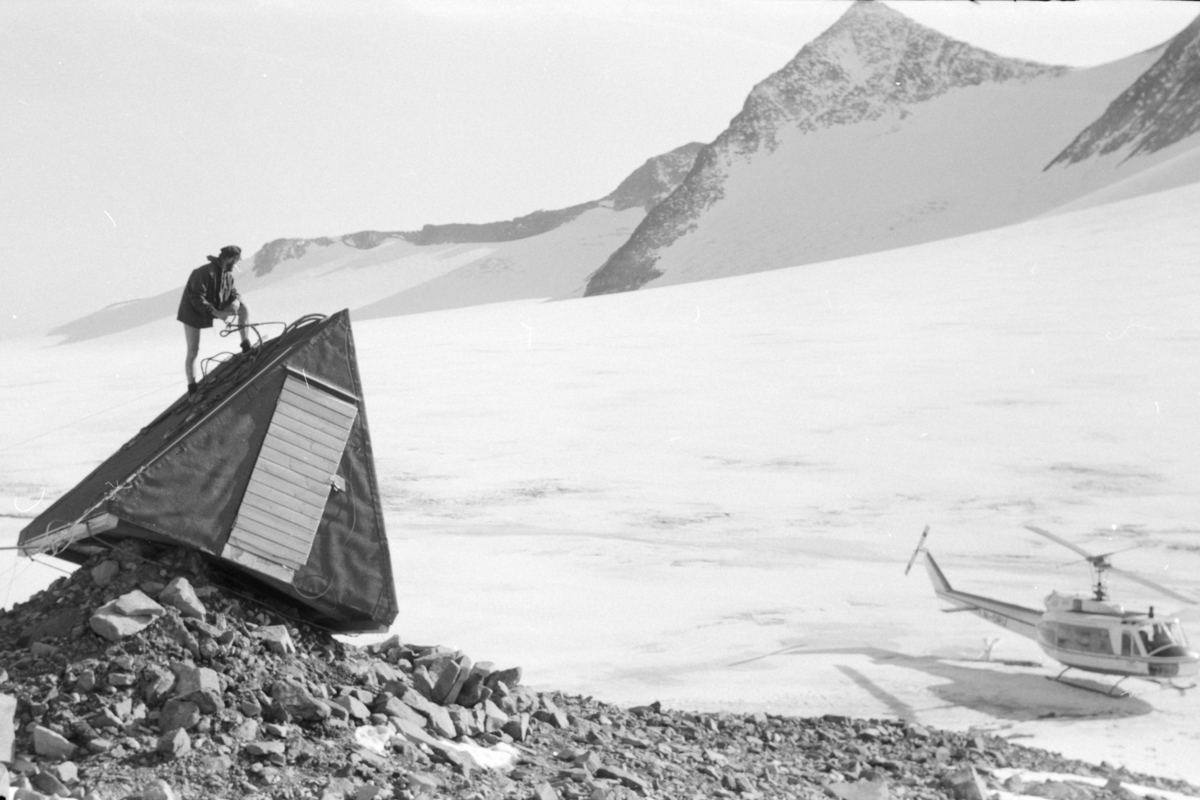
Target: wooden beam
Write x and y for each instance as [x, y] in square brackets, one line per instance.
[59, 538]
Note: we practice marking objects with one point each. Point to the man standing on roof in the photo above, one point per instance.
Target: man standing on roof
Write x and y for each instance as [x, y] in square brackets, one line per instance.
[209, 295]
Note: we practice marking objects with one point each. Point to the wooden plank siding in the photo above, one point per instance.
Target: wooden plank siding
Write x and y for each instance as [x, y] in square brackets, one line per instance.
[289, 462]
[290, 484]
[304, 396]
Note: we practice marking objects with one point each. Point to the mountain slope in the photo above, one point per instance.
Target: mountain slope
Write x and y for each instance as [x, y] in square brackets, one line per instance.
[1161, 108]
[543, 254]
[880, 133]
[644, 188]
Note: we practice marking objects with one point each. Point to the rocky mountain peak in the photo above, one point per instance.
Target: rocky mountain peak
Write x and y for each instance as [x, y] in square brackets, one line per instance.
[1161, 108]
[872, 62]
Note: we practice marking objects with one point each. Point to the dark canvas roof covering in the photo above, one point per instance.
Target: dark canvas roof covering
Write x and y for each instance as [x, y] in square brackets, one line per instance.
[183, 477]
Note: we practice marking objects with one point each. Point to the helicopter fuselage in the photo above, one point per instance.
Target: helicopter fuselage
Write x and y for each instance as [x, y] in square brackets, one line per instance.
[1083, 633]
[1099, 636]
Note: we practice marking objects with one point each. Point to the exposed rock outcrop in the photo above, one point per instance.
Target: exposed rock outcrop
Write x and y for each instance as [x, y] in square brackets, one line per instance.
[1161, 108]
[873, 62]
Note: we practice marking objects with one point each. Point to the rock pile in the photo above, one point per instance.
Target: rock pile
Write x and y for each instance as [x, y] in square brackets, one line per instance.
[142, 676]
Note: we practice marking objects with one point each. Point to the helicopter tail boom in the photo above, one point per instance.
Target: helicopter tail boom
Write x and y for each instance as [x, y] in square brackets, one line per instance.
[1017, 619]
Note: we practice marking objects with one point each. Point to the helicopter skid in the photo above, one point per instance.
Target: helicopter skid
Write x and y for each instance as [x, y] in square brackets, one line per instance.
[1114, 691]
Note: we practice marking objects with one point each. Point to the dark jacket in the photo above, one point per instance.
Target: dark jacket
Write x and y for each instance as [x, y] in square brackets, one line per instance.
[208, 288]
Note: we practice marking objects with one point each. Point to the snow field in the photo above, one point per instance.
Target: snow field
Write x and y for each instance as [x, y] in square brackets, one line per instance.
[705, 494]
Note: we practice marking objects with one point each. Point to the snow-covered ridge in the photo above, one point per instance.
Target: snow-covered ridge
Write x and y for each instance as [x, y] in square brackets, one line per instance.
[644, 188]
[543, 254]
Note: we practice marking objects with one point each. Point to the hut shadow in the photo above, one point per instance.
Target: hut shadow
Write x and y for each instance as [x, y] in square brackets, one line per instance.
[1016, 693]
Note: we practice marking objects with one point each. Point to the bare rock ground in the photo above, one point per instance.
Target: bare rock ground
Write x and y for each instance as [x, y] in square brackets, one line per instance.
[147, 674]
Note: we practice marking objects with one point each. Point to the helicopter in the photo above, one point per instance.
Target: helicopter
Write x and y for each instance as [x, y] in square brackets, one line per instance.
[1093, 634]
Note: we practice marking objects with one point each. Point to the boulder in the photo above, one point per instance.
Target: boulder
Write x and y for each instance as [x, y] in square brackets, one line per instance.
[423, 682]
[626, 777]
[47, 783]
[441, 670]
[277, 639]
[179, 594]
[129, 614]
[67, 772]
[261, 749]
[104, 572]
[551, 714]
[460, 679]
[437, 719]
[493, 718]
[963, 783]
[205, 629]
[174, 743]
[106, 718]
[157, 684]
[136, 604]
[201, 685]
[517, 727]
[298, 701]
[395, 707]
[86, 681]
[471, 692]
[246, 730]
[177, 713]
[354, 707]
[464, 721]
[114, 627]
[50, 744]
[511, 678]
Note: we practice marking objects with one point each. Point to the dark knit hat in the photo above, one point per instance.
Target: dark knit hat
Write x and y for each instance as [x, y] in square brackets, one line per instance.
[231, 250]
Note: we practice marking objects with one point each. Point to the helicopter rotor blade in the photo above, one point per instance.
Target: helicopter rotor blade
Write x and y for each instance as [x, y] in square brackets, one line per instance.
[1151, 584]
[920, 542]
[1052, 537]
[1101, 557]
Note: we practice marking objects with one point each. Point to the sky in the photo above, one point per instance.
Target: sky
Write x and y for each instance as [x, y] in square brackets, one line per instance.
[140, 137]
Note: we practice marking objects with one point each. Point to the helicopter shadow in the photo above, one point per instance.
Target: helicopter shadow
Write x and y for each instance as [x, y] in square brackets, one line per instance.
[1003, 692]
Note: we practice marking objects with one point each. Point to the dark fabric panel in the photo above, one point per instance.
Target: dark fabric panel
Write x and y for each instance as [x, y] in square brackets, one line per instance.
[386, 606]
[350, 563]
[328, 356]
[164, 429]
[75, 503]
[192, 492]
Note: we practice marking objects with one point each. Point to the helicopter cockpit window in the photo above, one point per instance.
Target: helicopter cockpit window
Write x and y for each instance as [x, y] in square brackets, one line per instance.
[1158, 635]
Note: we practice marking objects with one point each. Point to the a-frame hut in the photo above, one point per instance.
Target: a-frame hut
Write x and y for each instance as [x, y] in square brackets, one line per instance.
[267, 470]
